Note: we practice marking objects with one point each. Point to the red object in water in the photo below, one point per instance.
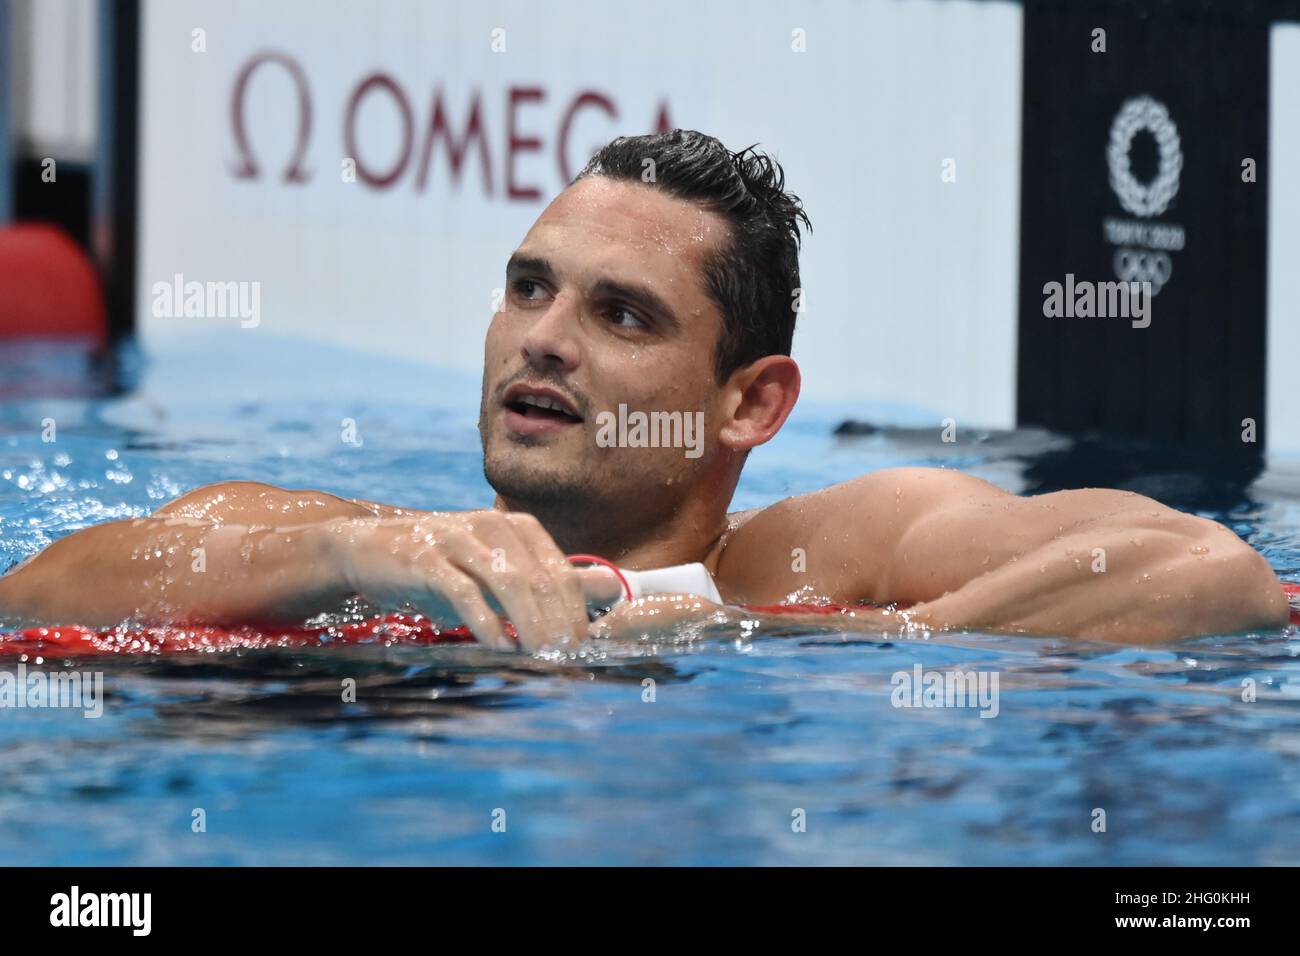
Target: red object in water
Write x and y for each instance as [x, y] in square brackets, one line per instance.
[74, 641]
[50, 287]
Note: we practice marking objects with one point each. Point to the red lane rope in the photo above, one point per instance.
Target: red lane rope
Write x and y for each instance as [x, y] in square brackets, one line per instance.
[76, 641]
[1292, 591]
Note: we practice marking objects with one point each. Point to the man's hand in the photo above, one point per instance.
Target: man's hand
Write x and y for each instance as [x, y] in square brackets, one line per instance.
[664, 617]
[458, 565]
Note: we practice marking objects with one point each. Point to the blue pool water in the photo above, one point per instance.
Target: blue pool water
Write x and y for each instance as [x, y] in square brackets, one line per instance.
[744, 731]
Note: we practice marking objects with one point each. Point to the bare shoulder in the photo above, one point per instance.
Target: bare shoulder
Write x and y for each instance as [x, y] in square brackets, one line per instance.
[840, 539]
[904, 491]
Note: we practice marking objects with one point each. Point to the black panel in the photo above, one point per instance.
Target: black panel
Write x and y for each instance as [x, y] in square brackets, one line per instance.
[1198, 369]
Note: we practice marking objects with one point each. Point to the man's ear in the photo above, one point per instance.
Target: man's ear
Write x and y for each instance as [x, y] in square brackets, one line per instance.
[758, 400]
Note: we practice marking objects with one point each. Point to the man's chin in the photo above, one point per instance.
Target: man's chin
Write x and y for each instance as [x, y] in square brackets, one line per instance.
[533, 482]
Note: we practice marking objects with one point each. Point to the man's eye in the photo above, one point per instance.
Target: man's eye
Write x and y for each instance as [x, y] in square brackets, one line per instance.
[626, 318]
[528, 288]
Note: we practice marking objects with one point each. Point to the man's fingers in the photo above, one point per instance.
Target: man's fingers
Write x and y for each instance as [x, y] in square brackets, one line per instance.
[511, 560]
[510, 589]
[552, 582]
[489, 554]
[566, 586]
[463, 594]
[600, 585]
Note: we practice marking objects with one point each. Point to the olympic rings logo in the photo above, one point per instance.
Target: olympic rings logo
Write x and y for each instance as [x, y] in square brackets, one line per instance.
[1137, 114]
[1141, 265]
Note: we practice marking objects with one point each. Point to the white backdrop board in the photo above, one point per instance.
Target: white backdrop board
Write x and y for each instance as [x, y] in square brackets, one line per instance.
[465, 119]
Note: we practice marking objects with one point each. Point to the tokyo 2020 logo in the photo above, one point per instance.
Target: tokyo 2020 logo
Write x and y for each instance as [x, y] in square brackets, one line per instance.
[1153, 198]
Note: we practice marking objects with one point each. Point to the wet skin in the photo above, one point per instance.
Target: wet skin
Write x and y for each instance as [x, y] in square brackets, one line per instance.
[606, 305]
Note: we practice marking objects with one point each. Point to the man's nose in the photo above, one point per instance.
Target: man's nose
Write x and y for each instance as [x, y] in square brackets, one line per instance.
[552, 339]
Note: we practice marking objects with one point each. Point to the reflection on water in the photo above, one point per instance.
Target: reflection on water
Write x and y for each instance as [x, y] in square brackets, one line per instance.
[262, 690]
[696, 748]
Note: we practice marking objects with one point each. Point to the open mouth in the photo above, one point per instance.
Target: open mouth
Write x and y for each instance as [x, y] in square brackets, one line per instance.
[541, 408]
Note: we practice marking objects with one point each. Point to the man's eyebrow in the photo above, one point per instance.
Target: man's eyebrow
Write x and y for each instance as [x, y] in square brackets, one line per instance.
[646, 298]
[518, 263]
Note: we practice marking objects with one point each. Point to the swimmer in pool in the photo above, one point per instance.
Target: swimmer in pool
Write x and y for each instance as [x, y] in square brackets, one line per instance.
[673, 295]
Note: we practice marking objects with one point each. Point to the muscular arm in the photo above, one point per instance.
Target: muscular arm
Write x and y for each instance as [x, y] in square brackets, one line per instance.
[232, 552]
[1093, 563]
[243, 552]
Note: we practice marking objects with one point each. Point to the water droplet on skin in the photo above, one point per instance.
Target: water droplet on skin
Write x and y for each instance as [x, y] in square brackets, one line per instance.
[1197, 549]
[1137, 542]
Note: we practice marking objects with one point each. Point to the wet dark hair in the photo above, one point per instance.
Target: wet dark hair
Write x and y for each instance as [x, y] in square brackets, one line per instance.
[753, 277]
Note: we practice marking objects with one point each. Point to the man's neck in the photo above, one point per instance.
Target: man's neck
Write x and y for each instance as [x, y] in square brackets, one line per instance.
[687, 534]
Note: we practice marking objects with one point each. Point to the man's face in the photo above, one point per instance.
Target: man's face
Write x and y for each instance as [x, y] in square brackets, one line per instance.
[605, 306]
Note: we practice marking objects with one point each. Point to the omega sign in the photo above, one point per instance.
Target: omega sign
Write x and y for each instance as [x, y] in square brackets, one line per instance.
[422, 124]
[1144, 253]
